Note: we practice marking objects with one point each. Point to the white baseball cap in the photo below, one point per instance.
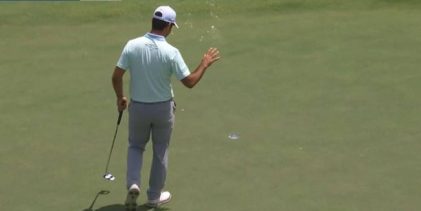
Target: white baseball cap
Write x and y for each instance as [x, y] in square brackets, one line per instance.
[165, 13]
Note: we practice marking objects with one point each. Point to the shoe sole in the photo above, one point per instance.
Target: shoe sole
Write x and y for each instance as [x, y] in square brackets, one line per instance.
[131, 204]
[155, 205]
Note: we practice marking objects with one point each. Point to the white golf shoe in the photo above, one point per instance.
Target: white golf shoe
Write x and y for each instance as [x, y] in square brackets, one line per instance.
[163, 199]
[132, 195]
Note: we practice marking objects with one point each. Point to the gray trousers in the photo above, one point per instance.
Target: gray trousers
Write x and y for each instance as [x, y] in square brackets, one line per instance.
[146, 120]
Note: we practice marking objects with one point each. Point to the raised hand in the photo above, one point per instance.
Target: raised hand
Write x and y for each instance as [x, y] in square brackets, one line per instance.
[210, 57]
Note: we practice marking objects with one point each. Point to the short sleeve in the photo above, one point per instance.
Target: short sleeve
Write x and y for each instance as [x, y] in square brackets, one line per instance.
[123, 61]
[179, 67]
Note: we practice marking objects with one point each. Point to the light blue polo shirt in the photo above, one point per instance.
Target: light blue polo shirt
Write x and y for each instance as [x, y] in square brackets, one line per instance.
[151, 62]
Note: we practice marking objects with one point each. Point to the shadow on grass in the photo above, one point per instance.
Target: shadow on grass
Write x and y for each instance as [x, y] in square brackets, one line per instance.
[120, 207]
[101, 192]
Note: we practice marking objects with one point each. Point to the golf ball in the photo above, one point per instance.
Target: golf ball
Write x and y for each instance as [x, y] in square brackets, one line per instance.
[233, 136]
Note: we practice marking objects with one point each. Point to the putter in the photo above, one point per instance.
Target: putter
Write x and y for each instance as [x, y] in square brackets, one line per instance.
[107, 175]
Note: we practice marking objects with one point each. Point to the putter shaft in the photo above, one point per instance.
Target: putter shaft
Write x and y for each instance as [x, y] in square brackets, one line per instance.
[112, 144]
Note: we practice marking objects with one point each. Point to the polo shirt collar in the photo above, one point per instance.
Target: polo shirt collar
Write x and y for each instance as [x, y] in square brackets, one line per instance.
[155, 36]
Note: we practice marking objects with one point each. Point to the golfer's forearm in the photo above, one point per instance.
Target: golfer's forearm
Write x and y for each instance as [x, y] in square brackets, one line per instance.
[117, 80]
[194, 78]
[118, 86]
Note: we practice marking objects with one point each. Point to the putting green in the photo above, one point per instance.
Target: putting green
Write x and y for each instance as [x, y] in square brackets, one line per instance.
[323, 94]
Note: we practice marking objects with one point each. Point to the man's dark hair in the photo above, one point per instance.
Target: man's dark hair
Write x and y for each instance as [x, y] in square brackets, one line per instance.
[159, 24]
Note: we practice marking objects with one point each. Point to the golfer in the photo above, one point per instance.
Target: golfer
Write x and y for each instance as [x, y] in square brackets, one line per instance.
[151, 61]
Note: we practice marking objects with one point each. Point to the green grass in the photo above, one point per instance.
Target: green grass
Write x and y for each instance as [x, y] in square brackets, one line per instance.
[324, 95]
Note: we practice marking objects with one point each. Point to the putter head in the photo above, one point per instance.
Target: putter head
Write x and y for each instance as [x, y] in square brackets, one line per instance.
[109, 177]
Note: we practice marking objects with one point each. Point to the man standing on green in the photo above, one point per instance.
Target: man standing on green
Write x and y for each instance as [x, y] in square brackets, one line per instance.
[151, 62]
